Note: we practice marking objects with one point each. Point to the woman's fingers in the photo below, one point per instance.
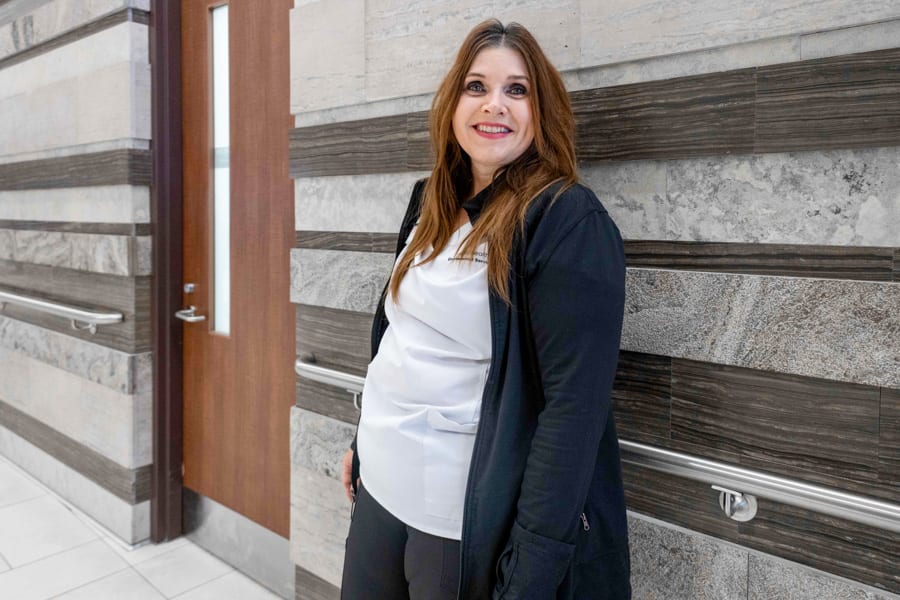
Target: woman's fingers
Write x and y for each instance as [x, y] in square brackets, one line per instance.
[346, 473]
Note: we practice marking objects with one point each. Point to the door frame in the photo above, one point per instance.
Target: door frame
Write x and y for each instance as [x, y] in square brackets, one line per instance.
[166, 294]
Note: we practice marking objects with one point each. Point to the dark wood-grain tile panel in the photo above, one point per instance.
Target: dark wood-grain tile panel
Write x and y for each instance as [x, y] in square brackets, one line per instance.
[641, 397]
[82, 31]
[864, 263]
[347, 240]
[896, 264]
[326, 400]
[845, 548]
[889, 442]
[368, 146]
[339, 339]
[129, 295]
[130, 485]
[309, 586]
[678, 118]
[850, 101]
[840, 102]
[795, 260]
[111, 167]
[419, 156]
[816, 430]
[132, 229]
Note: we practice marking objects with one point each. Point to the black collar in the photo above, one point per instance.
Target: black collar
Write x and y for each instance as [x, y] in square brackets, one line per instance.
[474, 205]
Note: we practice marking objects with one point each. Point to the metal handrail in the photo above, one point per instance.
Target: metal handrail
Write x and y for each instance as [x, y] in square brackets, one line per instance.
[852, 507]
[91, 318]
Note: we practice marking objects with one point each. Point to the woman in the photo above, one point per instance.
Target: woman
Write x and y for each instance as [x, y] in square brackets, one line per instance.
[486, 460]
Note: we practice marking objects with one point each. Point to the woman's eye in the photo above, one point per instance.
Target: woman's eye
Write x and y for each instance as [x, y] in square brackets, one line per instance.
[518, 90]
[474, 86]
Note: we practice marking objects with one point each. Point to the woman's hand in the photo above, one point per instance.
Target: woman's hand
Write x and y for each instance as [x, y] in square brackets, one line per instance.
[346, 474]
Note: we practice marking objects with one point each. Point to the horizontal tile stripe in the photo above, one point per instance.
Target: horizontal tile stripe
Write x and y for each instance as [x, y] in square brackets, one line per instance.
[130, 485]
[734, 414]
[845, 102]
[128, 295]
[309, 586]
[676, 118]
[796, 260]
[132, 229]
[805, 428]
[889, 440]
[116, 425]
[858, 552]
[813, 104]
[830, 328]
[372, 145]
[124, 372]
[347, 240]
[105, 22]
[85, 252]
[112, 167]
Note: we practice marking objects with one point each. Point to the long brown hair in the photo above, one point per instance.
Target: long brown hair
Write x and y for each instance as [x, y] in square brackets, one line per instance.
[549, 158]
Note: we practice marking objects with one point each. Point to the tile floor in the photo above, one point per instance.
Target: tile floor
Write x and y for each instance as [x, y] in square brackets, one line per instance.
[50, 550]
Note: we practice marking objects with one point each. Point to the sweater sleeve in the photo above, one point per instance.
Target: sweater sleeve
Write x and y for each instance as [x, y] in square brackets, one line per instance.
[576, 303]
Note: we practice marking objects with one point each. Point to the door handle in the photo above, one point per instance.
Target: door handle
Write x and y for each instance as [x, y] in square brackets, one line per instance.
[187, 314]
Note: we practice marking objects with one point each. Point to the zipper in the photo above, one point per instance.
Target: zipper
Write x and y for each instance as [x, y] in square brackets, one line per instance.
[584, 521]
[479, 437]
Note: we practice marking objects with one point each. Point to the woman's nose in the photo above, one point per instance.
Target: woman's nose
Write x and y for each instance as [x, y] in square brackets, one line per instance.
[494, 105]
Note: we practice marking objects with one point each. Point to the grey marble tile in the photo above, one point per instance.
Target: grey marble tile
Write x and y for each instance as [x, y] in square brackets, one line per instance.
[43, 247]
[772, 578]
[39, 22]
[850, 40]
[337, 279]
[435, 29]
[320, 520]
[38, 118]
[371, 203]
[115, 425]
[318, 442]
[131, 523]
[623, 31]
[842, 330]
[76, 150]
[755, 53]
[840, 197]
[634, 193]
[7, 244]
[328, 54]
[364, 110]
[125, 373]
[98, 204]
[673, 564]
[86, 252]
[143, 253]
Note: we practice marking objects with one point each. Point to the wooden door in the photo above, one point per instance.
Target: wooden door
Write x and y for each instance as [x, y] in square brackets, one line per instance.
[238, 370]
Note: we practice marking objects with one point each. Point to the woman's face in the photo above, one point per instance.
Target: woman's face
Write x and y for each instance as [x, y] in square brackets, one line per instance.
[492, 121]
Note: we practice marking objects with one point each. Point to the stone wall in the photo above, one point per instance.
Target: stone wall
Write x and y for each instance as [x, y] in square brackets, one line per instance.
[749, 156]
[75, 407]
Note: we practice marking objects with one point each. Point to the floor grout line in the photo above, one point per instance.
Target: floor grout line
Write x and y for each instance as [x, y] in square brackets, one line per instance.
[182, 593]
[5, 562]
[150, 583]
[37, 560]
[112, 542]
[18, 502]
[87, 583]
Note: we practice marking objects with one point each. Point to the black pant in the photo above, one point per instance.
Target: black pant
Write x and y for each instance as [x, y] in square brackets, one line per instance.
[389, 560]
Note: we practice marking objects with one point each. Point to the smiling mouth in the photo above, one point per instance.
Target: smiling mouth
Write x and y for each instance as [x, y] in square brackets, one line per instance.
[492, 129]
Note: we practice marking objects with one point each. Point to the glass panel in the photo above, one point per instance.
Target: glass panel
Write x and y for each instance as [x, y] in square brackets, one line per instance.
[222, 170]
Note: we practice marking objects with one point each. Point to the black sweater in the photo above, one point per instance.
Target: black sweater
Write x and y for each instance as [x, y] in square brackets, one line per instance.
[544, 512]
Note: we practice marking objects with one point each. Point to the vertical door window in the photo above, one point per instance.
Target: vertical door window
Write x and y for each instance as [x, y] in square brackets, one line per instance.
[221, 173]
